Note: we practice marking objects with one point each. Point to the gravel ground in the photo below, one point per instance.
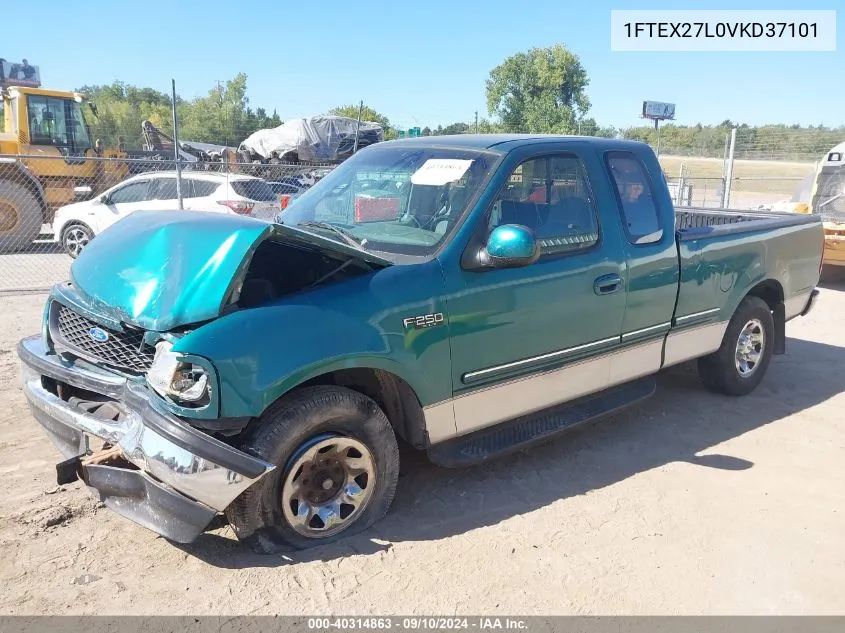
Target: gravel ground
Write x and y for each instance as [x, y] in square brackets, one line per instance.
[690, 503]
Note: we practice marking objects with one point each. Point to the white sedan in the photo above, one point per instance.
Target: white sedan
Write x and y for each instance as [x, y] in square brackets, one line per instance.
[77, 224]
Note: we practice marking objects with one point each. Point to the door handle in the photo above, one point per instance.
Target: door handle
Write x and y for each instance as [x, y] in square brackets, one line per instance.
[607, 284]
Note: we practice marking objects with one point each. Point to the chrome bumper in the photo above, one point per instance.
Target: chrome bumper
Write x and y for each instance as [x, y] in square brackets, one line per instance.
[183, 477]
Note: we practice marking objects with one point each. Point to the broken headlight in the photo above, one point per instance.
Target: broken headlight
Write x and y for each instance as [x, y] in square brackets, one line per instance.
[171, 377]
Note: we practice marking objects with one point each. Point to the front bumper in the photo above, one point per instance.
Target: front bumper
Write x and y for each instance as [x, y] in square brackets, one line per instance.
[172, 478]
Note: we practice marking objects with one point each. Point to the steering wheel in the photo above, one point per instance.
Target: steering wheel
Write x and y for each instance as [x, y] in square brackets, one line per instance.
[443, 212]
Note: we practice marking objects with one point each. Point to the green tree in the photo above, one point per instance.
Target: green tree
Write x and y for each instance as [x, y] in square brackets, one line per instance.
[223, 116]
[456, 128]
[541, 90]
[589, 127]
[120, 110]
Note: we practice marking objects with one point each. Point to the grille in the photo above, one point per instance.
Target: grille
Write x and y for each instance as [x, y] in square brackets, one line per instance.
[125, 350]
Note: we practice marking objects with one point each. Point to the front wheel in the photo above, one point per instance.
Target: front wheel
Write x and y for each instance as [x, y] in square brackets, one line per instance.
[337, 467]
[739, 365]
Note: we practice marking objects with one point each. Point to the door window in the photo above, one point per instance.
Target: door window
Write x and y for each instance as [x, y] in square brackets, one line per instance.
[165, 189]
[133, 192]
[636, 198]
[551, 196]
[203, 188]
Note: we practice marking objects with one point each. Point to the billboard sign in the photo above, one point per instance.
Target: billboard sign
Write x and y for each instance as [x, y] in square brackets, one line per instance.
[19, 74]
[658, 110]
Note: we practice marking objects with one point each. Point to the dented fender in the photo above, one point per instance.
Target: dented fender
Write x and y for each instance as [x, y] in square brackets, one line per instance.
[263, 352]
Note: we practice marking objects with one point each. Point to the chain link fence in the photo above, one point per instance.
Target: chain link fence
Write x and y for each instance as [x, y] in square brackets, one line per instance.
[52, 207]
[693, 184]
[771, 166]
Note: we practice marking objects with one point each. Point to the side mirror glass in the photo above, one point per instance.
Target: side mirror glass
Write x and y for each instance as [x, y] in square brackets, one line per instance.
[104, 199]
[509, 246]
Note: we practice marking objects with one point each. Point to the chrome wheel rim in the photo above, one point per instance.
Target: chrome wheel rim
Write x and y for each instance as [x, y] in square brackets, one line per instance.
[328, 485]
[749, 348]
[75, 240]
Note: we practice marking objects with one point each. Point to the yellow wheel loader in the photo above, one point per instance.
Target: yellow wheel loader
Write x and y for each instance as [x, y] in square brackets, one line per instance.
[45, 152]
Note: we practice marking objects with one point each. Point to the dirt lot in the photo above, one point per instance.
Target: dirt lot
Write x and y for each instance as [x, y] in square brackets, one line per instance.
[691, 503]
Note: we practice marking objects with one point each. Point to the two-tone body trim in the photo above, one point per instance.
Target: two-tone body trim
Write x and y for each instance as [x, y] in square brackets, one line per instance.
[542, 358]
[796, 304]
[695, 317]
[646, 332]
[492, 404]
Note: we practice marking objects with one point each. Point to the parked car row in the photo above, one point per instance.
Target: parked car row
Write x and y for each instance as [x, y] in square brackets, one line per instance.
[75, 225]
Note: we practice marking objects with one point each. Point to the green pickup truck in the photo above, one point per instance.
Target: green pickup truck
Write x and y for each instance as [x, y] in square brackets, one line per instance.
[470, 295]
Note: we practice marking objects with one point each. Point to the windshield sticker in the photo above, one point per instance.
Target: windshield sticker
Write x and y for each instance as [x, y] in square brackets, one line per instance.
[440, 171]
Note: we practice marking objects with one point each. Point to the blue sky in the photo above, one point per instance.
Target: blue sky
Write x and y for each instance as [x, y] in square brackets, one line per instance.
[418, 63]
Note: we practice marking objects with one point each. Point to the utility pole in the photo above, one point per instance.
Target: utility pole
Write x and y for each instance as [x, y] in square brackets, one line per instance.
[657, 129]
[476, 121]
[176, 148]
[358, 125]
[729, 171]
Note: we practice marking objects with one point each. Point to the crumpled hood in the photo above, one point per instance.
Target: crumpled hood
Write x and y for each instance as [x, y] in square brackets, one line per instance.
[161, 270]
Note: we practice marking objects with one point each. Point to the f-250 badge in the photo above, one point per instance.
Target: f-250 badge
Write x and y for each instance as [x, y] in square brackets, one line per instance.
[423, 320]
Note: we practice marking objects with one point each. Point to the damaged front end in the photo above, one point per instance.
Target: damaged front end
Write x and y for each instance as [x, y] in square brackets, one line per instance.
[144, 462]
[135, 415]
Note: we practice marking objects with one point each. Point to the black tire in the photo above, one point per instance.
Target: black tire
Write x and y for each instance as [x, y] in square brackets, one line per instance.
[719, 371]
[257, 516]
[20, 217]
[75, 237]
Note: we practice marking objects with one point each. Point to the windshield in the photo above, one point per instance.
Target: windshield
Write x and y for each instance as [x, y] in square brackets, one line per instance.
[396, 199]
[57, 122]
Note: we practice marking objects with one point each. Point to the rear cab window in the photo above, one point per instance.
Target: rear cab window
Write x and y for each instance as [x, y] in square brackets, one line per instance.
[635, 197]
[257, 190]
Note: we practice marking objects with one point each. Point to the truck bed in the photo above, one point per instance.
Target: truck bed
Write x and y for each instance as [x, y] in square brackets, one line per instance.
[722, 253]
[698, 222]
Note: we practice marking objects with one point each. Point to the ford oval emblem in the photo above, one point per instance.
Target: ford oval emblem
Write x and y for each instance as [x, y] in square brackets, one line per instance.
[98, 334]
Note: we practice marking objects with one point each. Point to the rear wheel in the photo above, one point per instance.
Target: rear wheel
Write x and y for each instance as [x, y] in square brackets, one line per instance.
[337, 468]
[75, 237]
[740, 364]
[20, 217]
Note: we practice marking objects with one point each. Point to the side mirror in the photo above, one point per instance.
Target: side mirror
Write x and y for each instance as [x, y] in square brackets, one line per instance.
[104, 199]
[82, 193]
[509, 246]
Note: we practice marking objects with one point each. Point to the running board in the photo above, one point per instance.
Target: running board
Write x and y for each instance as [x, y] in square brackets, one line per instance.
[520, 433]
